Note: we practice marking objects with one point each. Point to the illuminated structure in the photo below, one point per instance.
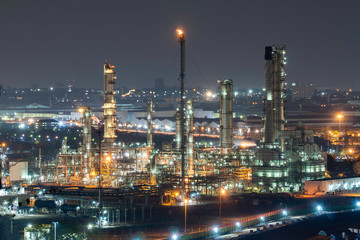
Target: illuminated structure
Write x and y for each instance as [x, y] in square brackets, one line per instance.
[226, 112]
[86, 137]
[121, 165]
[282, 163]
[287, 157]
[149, 123]
[178, 130]
[275, 61]
[109, 103]
[190, 137]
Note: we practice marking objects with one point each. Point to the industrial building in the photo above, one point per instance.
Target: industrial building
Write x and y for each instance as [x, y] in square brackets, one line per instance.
[332, 186]
[283, 161]
[287, 157]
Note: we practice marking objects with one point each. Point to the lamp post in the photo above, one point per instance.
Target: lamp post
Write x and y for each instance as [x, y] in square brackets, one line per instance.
[340, 116]
[222, 191]
[55, 229]
[99, 220]
[185, 202]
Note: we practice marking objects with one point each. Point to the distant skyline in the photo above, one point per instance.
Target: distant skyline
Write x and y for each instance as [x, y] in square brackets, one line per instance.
[45, 42]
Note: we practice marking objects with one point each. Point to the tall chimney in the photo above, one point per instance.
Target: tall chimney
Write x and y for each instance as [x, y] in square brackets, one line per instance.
[226, 112]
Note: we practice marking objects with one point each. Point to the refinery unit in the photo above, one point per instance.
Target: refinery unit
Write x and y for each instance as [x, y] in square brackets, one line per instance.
[281, 163]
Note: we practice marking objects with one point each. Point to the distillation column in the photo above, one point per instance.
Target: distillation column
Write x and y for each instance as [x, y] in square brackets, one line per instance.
[178, 130]
[226, 115]
[109, 103]
[190, 137]
[149, 123]
[275, 61]
[86, 138]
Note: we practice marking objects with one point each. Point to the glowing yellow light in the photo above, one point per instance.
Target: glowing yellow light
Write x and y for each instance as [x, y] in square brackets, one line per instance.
[3, 145]
[176, 194]
[186, 201]
[81, 110]
[108, 158]
[222, 191]
[180, 32]
[351, 151]
[339, 116]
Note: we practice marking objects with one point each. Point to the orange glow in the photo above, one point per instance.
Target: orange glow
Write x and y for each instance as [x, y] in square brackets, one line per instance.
[3, 145]
[180, 32]
[81, 110]
[339, 116]
[222, 191]
[186, 201]
[176, 194]
[108, 158]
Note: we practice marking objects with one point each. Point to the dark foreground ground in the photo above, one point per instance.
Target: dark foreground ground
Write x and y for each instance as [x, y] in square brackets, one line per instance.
[334, 223]
[171, 219]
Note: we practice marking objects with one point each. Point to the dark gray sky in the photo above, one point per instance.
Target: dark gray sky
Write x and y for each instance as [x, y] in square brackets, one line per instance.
[45, 42]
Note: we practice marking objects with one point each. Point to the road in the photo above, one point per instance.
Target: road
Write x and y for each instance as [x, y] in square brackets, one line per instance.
[299, 227]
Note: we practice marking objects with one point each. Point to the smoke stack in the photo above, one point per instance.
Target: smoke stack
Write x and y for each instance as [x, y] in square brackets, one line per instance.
[226, 112]
[275, 61]
[109, 103]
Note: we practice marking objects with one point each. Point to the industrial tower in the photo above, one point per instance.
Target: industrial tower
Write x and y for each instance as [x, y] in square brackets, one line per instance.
[86, 137]
[150, 107]
[226, 112]
[275, 61]
[109, 103]
[190, 137]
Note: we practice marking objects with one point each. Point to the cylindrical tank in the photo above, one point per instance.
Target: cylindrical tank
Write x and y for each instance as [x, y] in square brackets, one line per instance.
[225, 115]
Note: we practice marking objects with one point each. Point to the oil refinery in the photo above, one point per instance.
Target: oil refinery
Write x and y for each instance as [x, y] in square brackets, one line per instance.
[282, 162]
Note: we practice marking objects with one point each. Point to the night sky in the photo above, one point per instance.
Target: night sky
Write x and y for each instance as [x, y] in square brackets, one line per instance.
[48, 42]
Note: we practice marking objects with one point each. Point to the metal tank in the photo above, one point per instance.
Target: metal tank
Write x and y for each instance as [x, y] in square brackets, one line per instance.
[109, 103]
[225, 115]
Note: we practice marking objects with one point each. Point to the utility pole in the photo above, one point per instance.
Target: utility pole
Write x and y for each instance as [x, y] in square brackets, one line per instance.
[182, 105]
[99, 159]
[40, 167]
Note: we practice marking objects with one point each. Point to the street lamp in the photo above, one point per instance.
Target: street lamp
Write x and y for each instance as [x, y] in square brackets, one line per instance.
[319, 208]
[340, 116]
[222, 192]
[185, 202]
[54, 229]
